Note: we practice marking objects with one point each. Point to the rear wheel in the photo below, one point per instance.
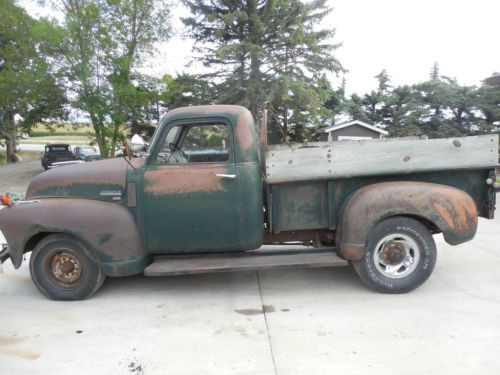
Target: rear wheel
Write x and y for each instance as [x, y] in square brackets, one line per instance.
[400, 255]
[62, 268]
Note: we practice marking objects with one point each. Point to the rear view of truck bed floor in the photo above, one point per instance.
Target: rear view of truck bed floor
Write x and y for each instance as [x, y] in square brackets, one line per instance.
[252, 260]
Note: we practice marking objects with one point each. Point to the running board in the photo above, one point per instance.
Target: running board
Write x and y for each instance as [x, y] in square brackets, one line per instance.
[247, 261]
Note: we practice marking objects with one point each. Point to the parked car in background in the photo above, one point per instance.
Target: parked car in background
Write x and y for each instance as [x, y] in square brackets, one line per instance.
[56, 153]
[21, 135]
[87, 153]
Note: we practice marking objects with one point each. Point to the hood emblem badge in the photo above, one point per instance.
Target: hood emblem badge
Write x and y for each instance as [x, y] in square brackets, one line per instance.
[115, 195]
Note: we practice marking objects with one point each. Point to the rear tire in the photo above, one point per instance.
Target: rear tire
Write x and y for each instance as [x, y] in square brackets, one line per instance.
[63, 268]
[399, 256]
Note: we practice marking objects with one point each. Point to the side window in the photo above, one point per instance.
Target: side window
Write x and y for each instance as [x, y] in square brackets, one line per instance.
[198, 143]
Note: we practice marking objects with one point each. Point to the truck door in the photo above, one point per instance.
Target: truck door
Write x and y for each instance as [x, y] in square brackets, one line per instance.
[191, 189]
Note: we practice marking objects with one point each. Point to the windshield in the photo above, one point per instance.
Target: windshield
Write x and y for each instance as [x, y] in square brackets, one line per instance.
[86, 150]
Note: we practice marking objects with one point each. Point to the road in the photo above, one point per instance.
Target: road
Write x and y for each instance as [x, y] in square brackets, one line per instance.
[27, 147]
[307, 321]
[32, 145]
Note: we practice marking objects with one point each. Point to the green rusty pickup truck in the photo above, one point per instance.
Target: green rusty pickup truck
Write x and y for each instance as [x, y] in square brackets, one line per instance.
[209, 192]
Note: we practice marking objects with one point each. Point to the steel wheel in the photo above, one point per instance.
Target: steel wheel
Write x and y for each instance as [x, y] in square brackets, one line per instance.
[63, 268]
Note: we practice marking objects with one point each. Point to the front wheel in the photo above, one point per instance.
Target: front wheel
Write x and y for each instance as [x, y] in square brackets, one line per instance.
[62, 268]
[400, 255]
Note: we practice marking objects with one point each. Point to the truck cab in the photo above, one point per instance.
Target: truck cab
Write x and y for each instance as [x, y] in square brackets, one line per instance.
[202, 181]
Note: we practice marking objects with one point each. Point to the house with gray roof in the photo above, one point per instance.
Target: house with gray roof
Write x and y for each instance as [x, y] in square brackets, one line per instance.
[352, 130]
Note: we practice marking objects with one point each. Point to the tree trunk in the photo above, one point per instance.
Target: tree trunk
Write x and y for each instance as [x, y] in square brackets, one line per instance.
[254, 84]
[114, 139]
[10, 139]
[9, 149]
[101, 142]
[285, 123]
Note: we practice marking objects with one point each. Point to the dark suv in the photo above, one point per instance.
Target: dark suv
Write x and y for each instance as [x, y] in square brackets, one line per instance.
[56, 153]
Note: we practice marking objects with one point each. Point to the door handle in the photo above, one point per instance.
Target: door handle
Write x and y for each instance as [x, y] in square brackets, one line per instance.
[228, 176]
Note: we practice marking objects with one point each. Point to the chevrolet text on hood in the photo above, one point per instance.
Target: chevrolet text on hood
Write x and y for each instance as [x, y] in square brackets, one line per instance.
[209, 193]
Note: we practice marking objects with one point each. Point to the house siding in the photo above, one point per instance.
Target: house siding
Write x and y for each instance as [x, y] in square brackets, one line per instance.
[352, 131]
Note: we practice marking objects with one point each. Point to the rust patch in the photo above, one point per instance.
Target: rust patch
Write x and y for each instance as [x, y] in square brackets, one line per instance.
[452, 210]
[305, 236]
[20, 222]
[244, 128]
[444, 213]
[174, 179]
[351, 252]
[103, 172]
[245, 131]
[202, 110]
[457, 211]
[131, 195]
[31, 356]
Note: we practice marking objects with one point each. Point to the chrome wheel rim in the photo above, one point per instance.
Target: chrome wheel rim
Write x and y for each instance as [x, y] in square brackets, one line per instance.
[396, 256]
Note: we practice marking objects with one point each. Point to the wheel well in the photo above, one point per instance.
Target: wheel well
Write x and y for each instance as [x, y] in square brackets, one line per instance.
[33, 241]
[433, 228]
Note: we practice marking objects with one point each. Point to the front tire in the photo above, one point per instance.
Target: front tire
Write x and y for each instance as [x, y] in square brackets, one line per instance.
[400, 255]
[63, 268]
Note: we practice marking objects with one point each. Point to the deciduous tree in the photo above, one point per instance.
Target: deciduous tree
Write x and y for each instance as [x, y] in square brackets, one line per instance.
[29, 87]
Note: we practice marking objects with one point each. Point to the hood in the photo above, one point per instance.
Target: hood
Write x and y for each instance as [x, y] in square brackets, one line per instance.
[92, 155]
[102, 180]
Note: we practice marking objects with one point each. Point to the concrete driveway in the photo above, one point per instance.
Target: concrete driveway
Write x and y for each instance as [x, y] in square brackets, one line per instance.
[309, 321]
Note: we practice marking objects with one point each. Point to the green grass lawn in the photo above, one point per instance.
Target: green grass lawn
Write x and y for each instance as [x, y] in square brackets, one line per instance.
[42, 130]
[58, 138]
[25, 156]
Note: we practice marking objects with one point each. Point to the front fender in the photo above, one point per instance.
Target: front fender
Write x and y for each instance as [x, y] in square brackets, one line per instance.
[451, 210]
[107, 228]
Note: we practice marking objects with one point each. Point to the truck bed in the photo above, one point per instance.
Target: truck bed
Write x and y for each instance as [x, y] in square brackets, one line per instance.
[344, 159]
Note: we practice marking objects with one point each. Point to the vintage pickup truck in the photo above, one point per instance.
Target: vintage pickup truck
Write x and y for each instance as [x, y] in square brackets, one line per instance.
[209, 193]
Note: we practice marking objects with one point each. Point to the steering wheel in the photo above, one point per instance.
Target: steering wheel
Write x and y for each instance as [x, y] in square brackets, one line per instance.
[175, 148]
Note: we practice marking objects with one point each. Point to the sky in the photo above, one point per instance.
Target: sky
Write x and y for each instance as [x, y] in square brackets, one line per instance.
[403, 37]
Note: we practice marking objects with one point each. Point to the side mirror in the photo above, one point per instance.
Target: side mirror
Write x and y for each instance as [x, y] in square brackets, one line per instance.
[137, 143]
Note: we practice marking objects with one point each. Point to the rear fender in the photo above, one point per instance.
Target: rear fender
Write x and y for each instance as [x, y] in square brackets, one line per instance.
[107, 228]
[451, 210]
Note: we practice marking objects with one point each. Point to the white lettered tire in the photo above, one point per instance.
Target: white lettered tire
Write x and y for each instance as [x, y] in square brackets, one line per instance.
[399, 256]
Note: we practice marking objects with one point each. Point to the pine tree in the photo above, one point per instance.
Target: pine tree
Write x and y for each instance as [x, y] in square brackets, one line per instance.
[262, 51]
